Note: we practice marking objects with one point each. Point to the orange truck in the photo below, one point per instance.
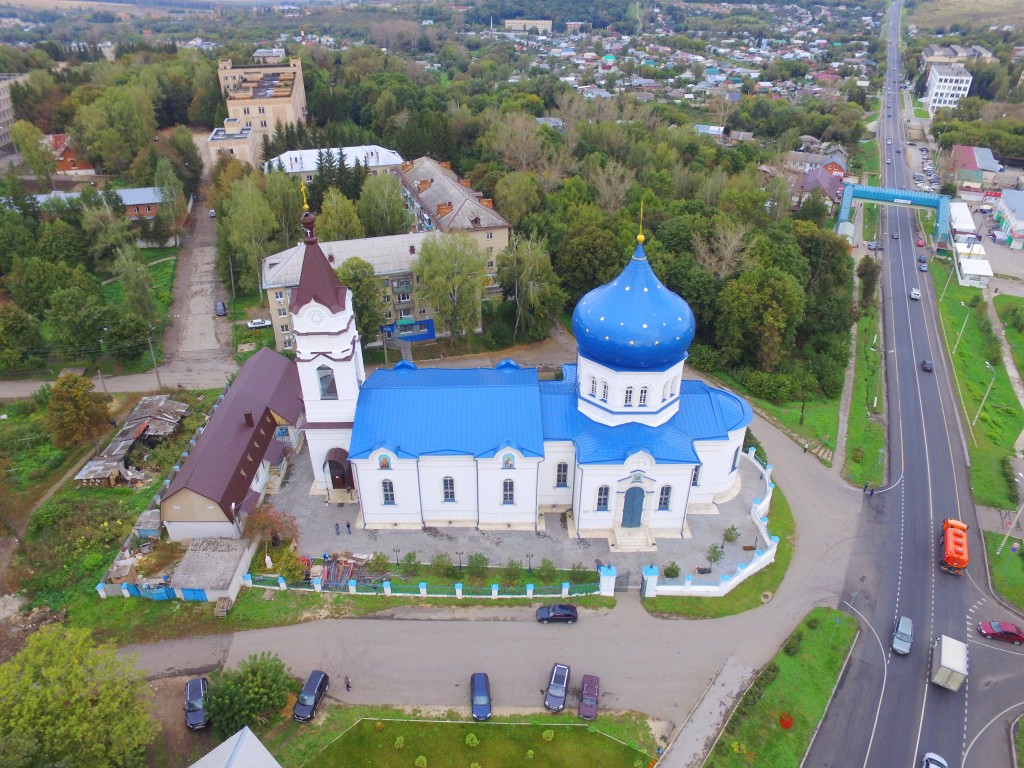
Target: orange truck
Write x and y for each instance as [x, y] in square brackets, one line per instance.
[954, 547]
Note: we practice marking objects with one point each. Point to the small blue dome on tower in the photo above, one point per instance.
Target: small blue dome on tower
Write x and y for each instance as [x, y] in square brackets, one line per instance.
[634, 321]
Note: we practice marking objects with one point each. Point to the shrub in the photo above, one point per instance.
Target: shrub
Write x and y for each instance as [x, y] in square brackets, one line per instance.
[768, 674]
[704, 358]
[287, 564]
[512, 572]
[773, 387]
[472, 740]
[714, 554]
[1008, 475]
[410, 566]
[812, 623]
[672, 570]
[248, 695]
[579, 573]
[529, 754]
[379, 563]
[477, 565]
[421, 762]
[546, 571]
[399, 742]
[792, 646]
[442, 566]
[548, 735]
[731, 533]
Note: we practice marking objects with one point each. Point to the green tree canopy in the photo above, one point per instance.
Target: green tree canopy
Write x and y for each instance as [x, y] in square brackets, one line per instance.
[69, 701]
[451, 274]
[758, 314]
[61, 243]
[285, 199]
[77, 316]
[76, 412]
[32, 145]
[338, 219]
[137, 284]
[517, 195]
[364, 284]
[248, 695]
[112, 129]
[249, 224]
[529, 281]
[19, 337]
[381, 208]
[173, 201]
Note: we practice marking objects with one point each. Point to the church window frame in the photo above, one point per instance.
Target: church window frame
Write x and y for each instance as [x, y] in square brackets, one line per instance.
[736, 458]
[593, 386]
[665, 498]
[627, 398]
[695, 478]
[562, 475]
[508, 491]
[665, 391]
[328, 382]
[604, 391]
[603, 495]
[642, 402]
[448, 488]
[387, 488]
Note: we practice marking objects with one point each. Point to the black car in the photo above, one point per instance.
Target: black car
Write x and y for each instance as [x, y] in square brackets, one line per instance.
[195, 703]
[895, 235]
[926, 366]
[480, 696]
[922, 259]
[566, 613]
[558, 687]
[309, 699]
[220, 309]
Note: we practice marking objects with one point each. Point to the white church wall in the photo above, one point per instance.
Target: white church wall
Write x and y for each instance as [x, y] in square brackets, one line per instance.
[404, 477]
[588, 516]
[342, 409]
[432, 472]
[320, 441]
[717, 473]
[548, 492]
[613, 410]
[495, 512]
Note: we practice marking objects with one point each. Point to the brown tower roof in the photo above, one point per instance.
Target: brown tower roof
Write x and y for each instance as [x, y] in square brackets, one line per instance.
[317, 281]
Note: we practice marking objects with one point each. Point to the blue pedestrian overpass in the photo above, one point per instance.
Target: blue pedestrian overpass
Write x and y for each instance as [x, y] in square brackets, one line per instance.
[901, 197]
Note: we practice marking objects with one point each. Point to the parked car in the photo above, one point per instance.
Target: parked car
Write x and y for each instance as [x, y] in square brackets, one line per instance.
[310, 695]
[554, 698]
[566, 613]
[220, 309]
[922, 267]
[1000, 630]
[480, 696]
[920, 242]
[590, 692]
[926, 366]
[195, 703]
[257, 323]
[902, 635]
[213, 214]
[931, 760]
[922, 259]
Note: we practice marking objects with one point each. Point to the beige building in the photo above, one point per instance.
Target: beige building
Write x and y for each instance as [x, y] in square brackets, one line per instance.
[6, 107]
[525, 25]
[260, 95]
[233, 139]
[442, 201]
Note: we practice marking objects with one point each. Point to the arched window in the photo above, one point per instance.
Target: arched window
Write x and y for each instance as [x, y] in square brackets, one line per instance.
[593, 386]
[643, 396]
[328, 386]
[448, 486]
[735, 459]
[602, 498]
[384, 462]
[664, 392]
[665, 497]
[604, 391]
[388, 489]
[628, 399]
[508, 492]
[562, 475]
[695, 481]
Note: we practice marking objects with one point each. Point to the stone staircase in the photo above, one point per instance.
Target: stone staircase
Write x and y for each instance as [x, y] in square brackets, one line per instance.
[632, 540]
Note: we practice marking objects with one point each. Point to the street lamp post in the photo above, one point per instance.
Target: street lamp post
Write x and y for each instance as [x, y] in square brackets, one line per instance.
[397, 551]
[459, 554]
[962, 327]
[156, 368]
[529, 563]
[985, 397]
[943, 294]
[999, 549]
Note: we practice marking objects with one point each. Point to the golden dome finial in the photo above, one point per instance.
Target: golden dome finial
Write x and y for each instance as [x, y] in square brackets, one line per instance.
[305, 203]
[640, 238]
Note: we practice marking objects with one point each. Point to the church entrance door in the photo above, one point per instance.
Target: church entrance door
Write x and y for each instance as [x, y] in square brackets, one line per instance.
[337, 467]
[633, 510]
[339, 474]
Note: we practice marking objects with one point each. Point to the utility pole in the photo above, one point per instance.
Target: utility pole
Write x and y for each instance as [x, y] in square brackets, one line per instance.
[156, 368]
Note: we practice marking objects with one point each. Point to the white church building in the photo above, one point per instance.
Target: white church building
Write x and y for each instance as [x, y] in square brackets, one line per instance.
[622, 441]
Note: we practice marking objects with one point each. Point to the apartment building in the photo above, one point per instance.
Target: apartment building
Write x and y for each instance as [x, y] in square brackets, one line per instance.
[260, 95]
[947, 84]
[302, 162]
[543, 26]
[7, 107]
[233, 139]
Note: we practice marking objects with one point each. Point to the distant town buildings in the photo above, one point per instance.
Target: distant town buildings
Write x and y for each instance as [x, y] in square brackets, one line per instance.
[7, 108]
[543, 26]
[303, 162]
[947, 84]
[68, 161]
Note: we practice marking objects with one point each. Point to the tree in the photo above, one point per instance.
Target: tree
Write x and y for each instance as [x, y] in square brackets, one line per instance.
[137, 284]
[31, 283]
[515, 139]
[381, 208]
[612, 181]
[33, 148]
[284, 196]
[528, 279]
[266, 521]
[248, 695]
[364, 284]
[813, 209]
[76, 316]
[112, 129]
[250, 224]
[18, 239]
[107, 229]
[173, 201]
[76, 411]
[517, 195]
[758, 314]
[19, 337]
[74, 702]
[721, 253]
[338, 219]
[451, 274]
[126, 335]
[61, 243]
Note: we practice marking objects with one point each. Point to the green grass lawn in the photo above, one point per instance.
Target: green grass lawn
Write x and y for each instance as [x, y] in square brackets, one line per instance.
[1000, 422]
[1007, 568]
[351, 736]
[748, 594]
[803, 675]
[868, 161]
[163, 278]
[865, 435]
[920, 110]
[869, 229]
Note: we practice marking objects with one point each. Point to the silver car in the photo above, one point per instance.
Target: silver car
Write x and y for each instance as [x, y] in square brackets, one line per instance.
[902, 635]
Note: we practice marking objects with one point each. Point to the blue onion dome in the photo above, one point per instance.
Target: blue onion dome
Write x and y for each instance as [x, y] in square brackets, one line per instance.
[634, 321]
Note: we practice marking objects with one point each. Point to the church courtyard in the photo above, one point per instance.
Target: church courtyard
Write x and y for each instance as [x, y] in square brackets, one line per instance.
[318, 523]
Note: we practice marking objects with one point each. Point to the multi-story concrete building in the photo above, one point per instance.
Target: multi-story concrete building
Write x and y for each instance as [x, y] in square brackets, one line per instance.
[260, 95]
[406, 316]
[543, 26]
[302, 162]
[233, 139]
[442, 201]
[947, 84]
[7, 107]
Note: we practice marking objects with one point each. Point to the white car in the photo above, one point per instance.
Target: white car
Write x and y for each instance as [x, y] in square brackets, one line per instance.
[258, 323]
[915, 293]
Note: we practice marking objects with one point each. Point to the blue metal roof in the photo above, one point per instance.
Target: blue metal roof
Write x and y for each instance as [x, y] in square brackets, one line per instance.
[905, 197]
[634, 322]
[705, 413]
[437, 412]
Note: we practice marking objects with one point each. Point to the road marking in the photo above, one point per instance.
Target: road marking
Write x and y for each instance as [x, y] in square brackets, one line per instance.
[985, 727]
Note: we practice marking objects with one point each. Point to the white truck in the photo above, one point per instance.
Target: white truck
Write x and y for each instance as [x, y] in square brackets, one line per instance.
[949, 663]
